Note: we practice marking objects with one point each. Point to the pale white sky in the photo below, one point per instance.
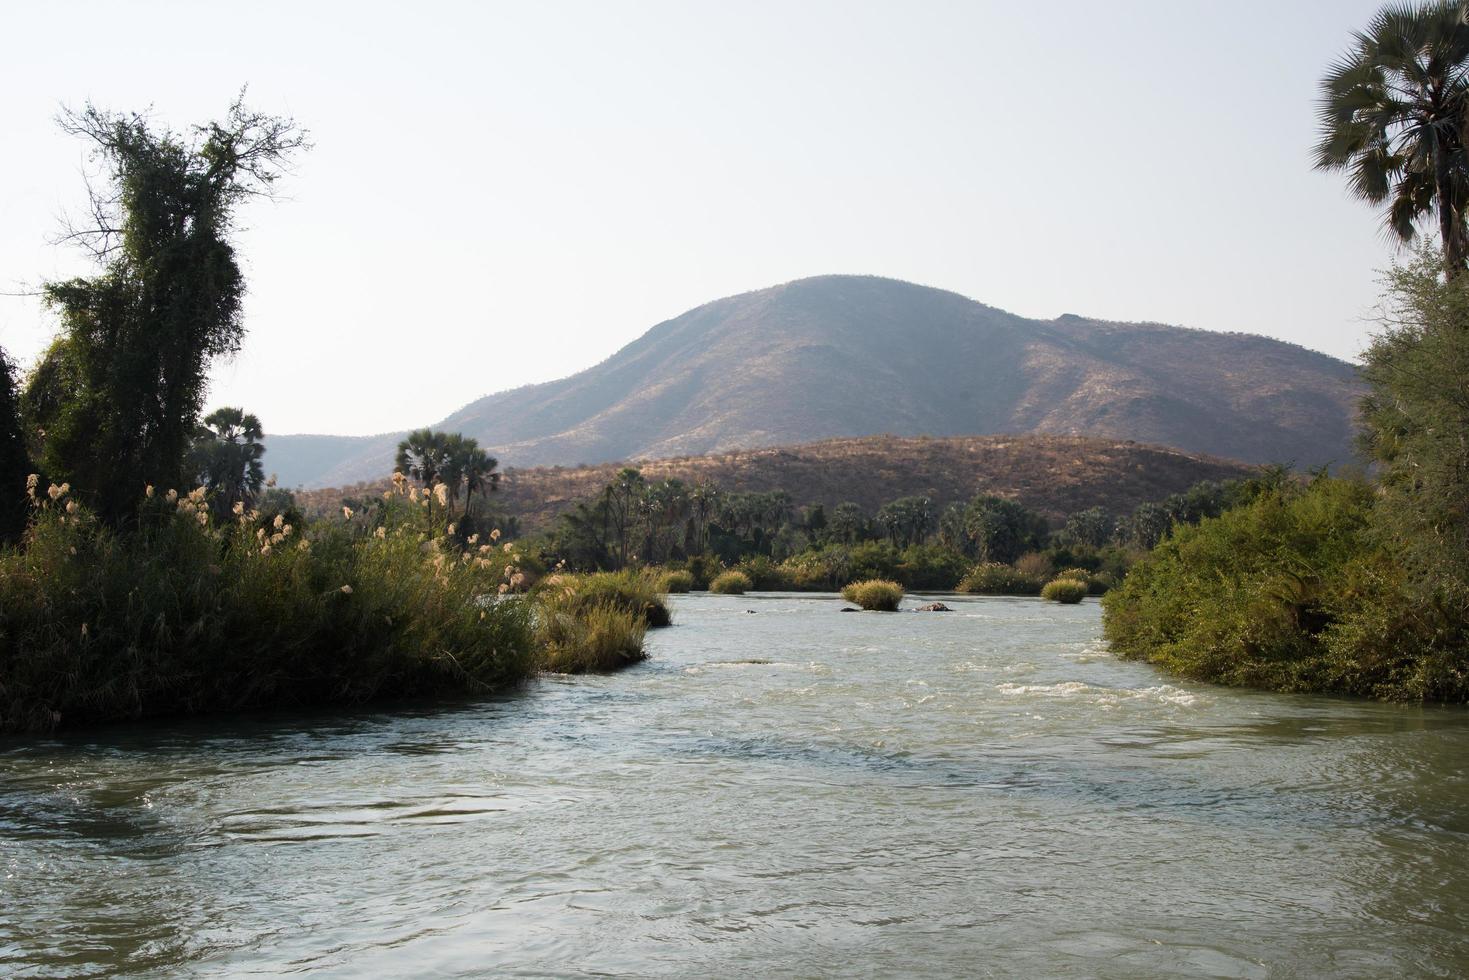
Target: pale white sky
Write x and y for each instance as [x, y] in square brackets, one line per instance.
[507, 193]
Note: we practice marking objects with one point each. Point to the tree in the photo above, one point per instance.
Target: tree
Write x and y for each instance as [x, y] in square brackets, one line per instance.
[226, 458]
[847, 523]
[423, 456]
[1416, 425]
[15, 463]
[1003, 530]
[139, 337]
[623, 502]
[906, 520]
[1090, 528]
[465, 465]
[1393, 111]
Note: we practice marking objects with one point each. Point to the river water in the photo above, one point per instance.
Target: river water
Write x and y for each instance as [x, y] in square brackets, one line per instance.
[782, 790]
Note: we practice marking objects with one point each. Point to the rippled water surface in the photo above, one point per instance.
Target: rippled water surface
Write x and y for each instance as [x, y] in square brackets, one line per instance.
[782, 790]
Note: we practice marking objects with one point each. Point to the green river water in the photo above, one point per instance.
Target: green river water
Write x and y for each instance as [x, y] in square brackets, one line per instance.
[986, 792]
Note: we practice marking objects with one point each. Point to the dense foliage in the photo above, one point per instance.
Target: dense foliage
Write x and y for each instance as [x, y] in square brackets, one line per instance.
[1341, 586]
[178, 614]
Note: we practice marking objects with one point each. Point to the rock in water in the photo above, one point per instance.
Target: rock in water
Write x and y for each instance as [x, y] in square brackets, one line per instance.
[934, 607]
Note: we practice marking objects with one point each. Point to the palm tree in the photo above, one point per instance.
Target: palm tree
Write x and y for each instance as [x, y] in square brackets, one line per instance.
[422, 456]
[1393, 113]
[226, 456]
[476, 468]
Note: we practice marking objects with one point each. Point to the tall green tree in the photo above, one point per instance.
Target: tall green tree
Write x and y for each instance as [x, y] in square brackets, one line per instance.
[226, 458]
[1393, 113]
[141, 334]
[1003, 530]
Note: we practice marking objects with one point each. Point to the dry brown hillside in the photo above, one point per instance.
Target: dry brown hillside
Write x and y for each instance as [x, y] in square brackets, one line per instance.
[1056, 475]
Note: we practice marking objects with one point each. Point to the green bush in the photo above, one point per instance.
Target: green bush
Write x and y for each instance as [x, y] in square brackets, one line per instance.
[931, 568]
[994, 578]
[764, 574]
[874, 594]
[576, 638]
[677, 582]
[1271, 594]
[1064, 590]
[731, 583]
[638, 591]
[178, 617]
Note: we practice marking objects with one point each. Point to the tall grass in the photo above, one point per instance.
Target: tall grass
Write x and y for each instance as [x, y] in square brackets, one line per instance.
[1067, 591]
[995, 578]
[676, 582]
[874, 594]
[175, 616]
[731, 583]
[575, 638]
[637, 591]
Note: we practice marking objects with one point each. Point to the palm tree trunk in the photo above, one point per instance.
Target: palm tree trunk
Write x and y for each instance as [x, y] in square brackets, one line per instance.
[1450, 221]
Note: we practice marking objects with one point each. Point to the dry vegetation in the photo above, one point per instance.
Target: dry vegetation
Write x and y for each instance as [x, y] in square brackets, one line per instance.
[1056, 475]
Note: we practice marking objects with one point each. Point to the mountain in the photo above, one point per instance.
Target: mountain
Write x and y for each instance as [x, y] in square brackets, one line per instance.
[844, 356]
[1056, 475]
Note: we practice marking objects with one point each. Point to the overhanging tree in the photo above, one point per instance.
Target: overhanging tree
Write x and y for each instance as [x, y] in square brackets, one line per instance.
[139, 337]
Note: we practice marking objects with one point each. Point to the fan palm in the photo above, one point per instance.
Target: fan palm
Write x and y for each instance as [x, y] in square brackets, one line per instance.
[422, 456]
[1393, 112]
[226, 455]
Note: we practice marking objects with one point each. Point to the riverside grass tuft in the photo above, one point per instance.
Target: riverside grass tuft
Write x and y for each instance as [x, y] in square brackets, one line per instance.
[637, 591]
[874, 595]
[731, 583]
[1065, 590]
[175, 616]
[677, 582]
[995, 578]
[573, 637]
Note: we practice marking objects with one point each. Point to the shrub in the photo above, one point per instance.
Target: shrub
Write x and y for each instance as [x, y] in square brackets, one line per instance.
[874, 594]
[764, 574]
[1271, 594]
[705, 569]
[677, 582]
[926, 567]
[1035, 565]
[994, 578]
[176, 617]
[638, 591]
[1064, 590]
[577, 638]
[731, 583]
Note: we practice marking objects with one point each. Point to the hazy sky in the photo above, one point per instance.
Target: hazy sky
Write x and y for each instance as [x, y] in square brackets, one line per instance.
[506, 193]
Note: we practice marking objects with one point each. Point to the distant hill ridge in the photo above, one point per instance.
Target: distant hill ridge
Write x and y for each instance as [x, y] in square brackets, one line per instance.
[1056, 475]
[846, 356]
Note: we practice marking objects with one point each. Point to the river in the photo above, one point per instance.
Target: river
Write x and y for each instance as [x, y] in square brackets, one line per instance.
[782, 790]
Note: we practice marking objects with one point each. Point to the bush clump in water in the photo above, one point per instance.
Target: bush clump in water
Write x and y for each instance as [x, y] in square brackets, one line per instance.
[1067, 591]
[995, 578]
[677, 583]
[874, 594]
[731, 583]
[573, 637]
[638, 591]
